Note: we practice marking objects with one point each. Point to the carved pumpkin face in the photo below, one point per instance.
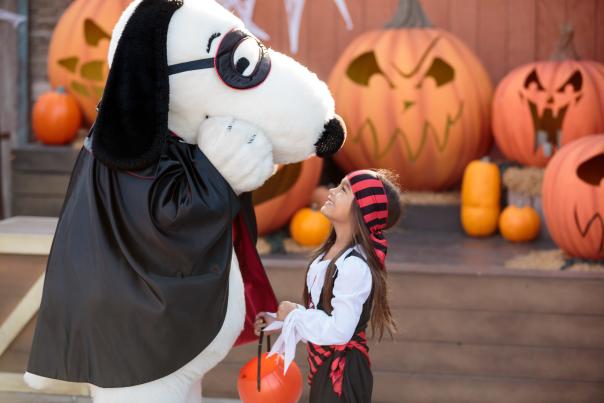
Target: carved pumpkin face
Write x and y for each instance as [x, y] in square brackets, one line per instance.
[432, 75]
[77, 57]
[573, 197]
[420, 110]
[542, 106]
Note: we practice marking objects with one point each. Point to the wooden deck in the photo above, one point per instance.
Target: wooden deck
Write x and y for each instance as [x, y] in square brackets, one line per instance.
[11, 397]
[470, 329]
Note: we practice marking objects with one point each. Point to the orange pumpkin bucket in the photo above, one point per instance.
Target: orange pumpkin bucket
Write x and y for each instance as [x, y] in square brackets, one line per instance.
[262, 379]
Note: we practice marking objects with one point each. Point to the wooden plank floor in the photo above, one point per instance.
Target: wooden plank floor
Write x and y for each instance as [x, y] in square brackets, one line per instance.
[471, 330]
[8, 397]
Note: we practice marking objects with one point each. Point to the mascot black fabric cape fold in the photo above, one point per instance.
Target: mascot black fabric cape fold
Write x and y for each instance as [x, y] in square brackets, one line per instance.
[137, 279]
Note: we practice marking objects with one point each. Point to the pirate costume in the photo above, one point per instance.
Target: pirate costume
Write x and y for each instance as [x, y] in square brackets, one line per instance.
[338, 354]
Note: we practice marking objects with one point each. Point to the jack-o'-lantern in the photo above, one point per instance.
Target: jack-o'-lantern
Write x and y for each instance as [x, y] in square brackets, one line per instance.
[415, 100]
[77, 56]
[284, 193]
[573, 197]
[541, 106]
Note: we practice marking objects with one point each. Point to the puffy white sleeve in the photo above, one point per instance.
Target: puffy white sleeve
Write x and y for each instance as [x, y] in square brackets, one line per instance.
[351, 289]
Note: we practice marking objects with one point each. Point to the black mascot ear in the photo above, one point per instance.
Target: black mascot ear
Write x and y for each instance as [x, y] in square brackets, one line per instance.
[132, 122]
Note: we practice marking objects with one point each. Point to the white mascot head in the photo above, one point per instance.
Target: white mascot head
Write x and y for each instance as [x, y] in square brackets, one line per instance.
[216, 67]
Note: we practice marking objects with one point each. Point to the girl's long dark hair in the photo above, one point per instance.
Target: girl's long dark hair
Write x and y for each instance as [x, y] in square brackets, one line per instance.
[381, 317]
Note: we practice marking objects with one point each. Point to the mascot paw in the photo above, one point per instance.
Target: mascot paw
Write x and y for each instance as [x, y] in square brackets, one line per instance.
[239, 150]
[38, 382]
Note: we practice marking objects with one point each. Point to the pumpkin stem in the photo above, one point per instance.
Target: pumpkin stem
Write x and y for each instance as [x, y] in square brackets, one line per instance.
[409, 14]
[60, 90]
[565, 50]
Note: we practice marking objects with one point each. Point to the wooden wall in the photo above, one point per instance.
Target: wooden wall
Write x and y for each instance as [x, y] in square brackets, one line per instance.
[504, 33]
[8, 100]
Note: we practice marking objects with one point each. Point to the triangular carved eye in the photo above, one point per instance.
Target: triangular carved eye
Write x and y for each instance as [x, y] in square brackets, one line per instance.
[576, 80]
[592, 170]
[441, 72]
[93, 33]
[533, 78]
[363, 67]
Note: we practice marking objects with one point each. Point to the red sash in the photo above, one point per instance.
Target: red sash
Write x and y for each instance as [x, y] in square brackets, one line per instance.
[317, 355]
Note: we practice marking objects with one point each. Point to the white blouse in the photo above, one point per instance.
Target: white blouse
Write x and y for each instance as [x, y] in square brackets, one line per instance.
[351, 289]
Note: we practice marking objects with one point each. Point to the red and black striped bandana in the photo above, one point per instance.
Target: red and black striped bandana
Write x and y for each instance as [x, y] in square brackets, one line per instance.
[370, 196]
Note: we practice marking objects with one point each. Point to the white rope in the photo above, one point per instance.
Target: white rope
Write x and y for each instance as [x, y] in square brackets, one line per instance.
[11, 17]
[294, 10]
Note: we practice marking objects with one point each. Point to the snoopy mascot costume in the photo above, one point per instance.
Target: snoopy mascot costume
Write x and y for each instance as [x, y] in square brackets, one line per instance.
[153, 274]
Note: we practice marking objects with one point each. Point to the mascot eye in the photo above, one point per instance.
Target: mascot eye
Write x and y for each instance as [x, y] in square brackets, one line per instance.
[242, 62]
[246, 56]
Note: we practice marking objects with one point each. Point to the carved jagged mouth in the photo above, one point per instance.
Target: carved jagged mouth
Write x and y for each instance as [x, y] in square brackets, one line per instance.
[586, 227]
[548, 128]
[379, 150]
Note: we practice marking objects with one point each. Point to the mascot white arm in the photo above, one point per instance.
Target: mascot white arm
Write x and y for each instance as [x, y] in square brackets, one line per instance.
[144, 291]
[240, 150]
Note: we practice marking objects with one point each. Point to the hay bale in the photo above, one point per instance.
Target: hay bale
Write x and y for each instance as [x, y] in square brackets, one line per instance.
[549, 260]
[291, 246]
[263, 247]
[538, 260]
[525, 181]
[451, 198]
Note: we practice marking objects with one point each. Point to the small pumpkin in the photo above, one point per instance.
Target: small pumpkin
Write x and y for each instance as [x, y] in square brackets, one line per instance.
[56, 117]
[480, 198]
[519, 224]
[309, 227]
[415, 99]
[77, 54]
[573, 197]
[274, 385]
[540, 106]
[288, 190]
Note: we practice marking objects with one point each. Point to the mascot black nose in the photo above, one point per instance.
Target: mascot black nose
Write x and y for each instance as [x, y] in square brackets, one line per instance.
[332, 138]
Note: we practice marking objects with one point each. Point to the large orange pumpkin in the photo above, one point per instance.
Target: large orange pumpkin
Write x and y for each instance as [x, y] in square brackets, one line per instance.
[275, 387]
[415, 99]
[56, 117]
[541, 106]
[288, 190]
[573, 197]
[77, 56]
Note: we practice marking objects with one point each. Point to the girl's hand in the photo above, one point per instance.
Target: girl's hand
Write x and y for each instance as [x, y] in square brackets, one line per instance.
[285, 308]
[263, 320]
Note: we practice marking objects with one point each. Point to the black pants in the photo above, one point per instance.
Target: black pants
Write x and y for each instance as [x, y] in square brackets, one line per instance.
[357, 382]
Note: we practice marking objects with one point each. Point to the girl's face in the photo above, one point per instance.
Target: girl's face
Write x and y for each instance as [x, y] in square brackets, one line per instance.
[339, 202]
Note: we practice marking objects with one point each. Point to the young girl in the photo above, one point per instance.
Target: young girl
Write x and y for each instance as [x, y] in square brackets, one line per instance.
[345, 289]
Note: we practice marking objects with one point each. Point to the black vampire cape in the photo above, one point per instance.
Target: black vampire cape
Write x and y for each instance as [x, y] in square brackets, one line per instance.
[137, 279]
